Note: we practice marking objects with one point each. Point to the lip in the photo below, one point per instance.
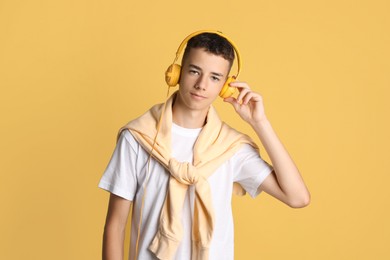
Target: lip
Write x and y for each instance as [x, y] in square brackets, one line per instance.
[197, 96]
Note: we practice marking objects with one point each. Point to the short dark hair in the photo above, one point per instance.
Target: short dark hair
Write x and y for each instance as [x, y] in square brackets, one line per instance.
[212, 43]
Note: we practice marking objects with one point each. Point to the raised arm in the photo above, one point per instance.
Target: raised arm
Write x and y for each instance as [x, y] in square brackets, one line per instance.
[285, 183]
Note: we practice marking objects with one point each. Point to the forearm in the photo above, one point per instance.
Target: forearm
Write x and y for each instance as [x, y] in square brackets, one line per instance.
[113, 240]
[287, 174]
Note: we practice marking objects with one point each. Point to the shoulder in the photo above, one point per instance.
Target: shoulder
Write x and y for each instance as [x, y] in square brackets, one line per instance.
[246, 150]
[233, 131]
[235, 136]
[127, 139]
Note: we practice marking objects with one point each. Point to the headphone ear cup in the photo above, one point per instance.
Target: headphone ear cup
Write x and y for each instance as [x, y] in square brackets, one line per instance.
[172, 75]
[227, 91]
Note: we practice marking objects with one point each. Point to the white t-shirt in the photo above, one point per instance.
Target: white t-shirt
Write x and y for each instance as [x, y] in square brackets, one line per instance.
[126, 173]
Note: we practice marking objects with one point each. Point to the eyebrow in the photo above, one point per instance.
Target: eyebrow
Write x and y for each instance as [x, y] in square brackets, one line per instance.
[199, 68]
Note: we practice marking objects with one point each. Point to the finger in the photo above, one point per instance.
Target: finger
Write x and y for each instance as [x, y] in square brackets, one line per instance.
[240, 85]
[242, 93]
[252, 96]
[233, 102]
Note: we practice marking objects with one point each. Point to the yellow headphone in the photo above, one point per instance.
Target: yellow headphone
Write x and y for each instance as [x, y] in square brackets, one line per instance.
[172, 75]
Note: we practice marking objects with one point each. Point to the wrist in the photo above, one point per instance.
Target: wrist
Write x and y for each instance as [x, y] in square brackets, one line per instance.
[260, 124]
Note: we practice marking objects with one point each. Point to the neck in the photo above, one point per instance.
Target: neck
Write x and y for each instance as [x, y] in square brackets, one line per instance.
[188, 118]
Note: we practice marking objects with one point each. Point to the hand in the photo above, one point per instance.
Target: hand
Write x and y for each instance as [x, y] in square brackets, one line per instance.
[248, 104]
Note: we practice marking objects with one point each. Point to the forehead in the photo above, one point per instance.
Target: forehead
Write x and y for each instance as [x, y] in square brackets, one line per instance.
[206, 61]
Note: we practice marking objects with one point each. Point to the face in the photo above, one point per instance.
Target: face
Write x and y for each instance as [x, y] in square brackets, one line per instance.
[202, 77]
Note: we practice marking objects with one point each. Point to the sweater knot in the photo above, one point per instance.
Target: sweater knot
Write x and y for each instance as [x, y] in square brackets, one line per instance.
[184, 172]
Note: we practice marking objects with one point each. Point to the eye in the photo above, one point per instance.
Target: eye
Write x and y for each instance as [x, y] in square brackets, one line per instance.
[215, 78]
[194, 72]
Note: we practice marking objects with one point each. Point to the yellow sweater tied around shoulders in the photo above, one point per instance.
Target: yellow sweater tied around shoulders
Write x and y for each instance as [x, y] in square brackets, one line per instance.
[216, 143]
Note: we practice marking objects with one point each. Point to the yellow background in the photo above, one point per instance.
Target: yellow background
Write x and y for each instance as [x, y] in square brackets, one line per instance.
[73, 72]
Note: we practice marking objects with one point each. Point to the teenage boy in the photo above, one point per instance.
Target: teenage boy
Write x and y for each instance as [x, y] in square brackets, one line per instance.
[181, 194]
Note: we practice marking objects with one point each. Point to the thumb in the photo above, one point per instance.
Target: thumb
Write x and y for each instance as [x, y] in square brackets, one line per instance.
[232, 101]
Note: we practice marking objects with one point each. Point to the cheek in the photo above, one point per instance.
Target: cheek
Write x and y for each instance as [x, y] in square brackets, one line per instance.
[219, 86]
[184, 80]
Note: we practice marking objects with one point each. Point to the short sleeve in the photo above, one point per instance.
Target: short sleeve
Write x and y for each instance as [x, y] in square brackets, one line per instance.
[250, 170]
[119, 176]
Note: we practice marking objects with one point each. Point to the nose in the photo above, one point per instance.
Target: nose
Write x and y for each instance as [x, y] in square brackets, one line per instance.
[201, 83]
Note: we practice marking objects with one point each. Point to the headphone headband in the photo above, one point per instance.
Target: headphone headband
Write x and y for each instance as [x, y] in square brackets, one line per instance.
[184, 42]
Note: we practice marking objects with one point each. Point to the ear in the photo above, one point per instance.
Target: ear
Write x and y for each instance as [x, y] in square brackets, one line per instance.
[227, 90]
[172, 75]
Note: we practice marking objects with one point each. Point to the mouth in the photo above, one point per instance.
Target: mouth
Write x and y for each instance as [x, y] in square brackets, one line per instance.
[197, 96]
